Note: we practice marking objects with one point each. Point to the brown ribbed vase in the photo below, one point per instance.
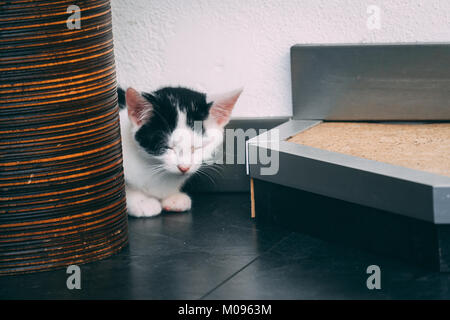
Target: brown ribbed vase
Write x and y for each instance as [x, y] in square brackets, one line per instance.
[62, 198]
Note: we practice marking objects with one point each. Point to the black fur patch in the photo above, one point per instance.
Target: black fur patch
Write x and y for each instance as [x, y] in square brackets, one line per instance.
[121, 98]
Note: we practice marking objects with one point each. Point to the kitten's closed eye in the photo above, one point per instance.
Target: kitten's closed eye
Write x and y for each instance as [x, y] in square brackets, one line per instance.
[192, 148]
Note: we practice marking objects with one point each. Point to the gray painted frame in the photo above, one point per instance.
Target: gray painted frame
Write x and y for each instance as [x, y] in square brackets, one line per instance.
[403, 82]
[412, 193]
[362, 82]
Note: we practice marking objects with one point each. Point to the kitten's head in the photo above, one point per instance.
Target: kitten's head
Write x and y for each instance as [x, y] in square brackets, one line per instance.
[179, 127]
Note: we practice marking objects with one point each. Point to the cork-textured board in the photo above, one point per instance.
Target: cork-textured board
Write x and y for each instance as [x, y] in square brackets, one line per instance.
[420, 146]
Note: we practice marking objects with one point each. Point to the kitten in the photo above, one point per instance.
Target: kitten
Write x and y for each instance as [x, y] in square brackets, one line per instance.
[166, 136]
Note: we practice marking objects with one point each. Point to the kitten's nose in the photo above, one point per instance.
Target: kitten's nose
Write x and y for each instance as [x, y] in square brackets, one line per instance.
[183, 169]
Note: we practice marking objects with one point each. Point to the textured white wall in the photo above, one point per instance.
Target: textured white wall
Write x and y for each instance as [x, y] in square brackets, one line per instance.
[216, 45]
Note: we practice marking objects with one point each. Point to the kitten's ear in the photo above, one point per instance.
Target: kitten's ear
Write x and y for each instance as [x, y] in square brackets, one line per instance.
[222, 105]
[139, 108]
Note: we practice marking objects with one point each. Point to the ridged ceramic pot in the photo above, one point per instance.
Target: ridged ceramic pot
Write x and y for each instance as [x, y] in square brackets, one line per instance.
[62, 197]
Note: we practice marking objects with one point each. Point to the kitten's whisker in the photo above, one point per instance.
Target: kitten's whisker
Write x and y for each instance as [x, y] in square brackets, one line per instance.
[156, 169]
[206, 175]
[217, 169]
[216, 174]
[214, 169]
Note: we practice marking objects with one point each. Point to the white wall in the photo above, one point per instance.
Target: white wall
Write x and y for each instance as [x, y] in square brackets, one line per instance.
[216, 45]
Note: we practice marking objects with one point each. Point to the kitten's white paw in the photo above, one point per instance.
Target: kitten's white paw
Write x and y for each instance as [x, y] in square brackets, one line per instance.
[139, 205]
[177, 202]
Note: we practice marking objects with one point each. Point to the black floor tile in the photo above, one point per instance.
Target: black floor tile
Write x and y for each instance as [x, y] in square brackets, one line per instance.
[217, 252]
[302, 267]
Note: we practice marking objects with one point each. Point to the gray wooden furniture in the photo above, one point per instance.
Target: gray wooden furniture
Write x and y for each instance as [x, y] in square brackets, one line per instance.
[389, 208]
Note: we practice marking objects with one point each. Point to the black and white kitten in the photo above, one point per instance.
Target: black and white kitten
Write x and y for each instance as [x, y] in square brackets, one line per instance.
[166, 136]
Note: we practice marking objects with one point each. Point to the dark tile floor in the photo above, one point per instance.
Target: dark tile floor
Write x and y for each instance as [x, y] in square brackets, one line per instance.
[217, 252]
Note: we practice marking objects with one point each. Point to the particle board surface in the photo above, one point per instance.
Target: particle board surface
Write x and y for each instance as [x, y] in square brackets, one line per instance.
[420, 146]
